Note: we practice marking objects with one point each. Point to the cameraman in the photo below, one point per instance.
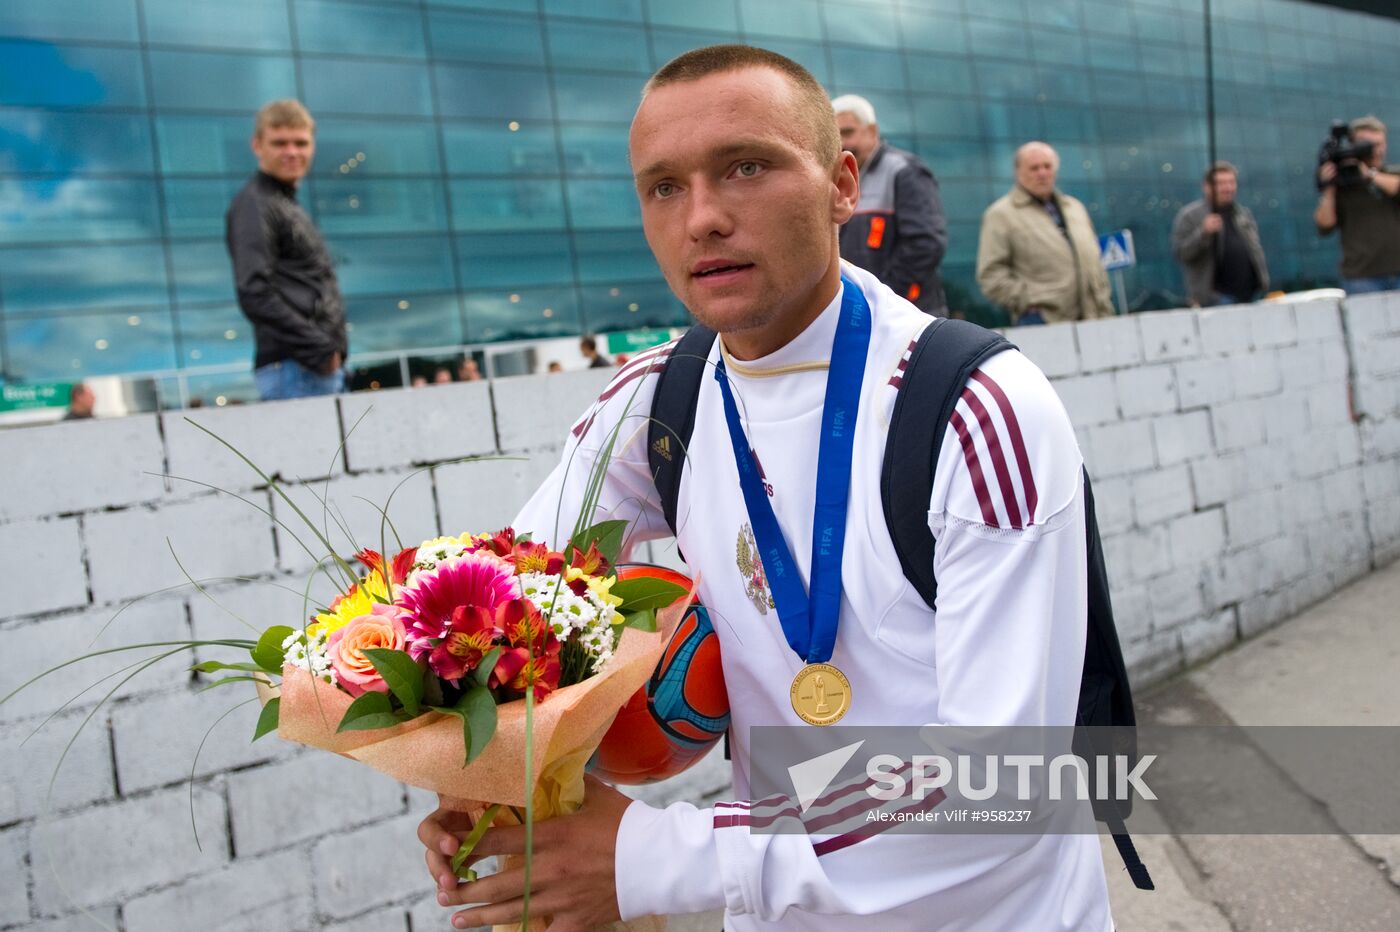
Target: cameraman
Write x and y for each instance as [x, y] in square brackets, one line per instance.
[1367, 213]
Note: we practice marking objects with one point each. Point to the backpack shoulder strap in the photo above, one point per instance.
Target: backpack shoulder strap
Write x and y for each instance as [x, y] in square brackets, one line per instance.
[673, 414]
[943, 358]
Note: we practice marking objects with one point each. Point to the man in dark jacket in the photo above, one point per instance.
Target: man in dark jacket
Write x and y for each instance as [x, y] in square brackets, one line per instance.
[1217, 243]
[898, 231]
[281, 268]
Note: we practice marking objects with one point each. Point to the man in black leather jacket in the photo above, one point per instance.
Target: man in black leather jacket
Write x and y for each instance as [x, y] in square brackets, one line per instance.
[281, 268]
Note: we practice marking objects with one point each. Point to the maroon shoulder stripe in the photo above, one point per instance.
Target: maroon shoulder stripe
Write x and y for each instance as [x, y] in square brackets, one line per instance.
[989, 434]
[621, 381]
[974, 469]
[1018, 445]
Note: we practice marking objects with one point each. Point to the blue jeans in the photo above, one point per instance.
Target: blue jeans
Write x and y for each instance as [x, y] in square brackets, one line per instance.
[290, 379]
[1030, 319]
[1369, 285]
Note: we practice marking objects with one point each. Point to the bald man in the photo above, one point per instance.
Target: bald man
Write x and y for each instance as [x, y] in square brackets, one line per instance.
[1038, 255]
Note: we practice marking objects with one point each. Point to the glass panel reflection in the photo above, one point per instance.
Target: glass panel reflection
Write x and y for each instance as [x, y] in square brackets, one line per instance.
[631, 306]
[59, 210]
[597, 97]
[501, 148]
[612, 48]
[197, 207]
[36, 141]
[384, 323]
[358, 86]
[613, 257]
[359, 29]
[486, 38]
[77, 345]
[603, 204]
[46, 75]
[507, 204]
[109, 20]
[365, 205]
[507, 94]
[791, 19]
[595, 150]
[393, 266]
[360, 147]
[503, 260]
[247, 24]
[209, 81]
[203, 272]
[36, 280]
[205, 145]
[527, 313]
[215, 336]
[717, 14]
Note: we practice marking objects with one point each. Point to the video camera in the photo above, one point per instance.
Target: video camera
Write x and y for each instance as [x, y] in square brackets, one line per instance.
[1343, 150]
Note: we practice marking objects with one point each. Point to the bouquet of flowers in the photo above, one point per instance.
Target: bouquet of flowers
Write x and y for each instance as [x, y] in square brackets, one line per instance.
[484, 667]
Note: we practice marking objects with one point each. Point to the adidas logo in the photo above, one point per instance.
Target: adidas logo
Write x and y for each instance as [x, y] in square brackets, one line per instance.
[663, 448]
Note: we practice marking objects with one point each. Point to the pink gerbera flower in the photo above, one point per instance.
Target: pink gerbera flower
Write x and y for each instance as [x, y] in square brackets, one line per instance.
[429, 600]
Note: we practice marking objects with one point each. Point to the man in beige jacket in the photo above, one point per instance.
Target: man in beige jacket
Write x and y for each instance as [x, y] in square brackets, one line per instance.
[1039, 255]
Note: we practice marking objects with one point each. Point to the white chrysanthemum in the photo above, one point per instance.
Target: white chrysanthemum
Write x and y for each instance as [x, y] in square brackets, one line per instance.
[432, 553]
[308, 652]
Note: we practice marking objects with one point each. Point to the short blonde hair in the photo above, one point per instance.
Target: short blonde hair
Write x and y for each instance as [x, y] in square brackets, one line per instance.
[283, 113]
[1370, 121]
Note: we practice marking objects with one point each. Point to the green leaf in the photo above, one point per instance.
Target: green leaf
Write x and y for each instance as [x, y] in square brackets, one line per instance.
[268, 653]
[477, 710]
[212, 666]
[267, 719]
[404, 676]
[483, 671]
[607, 535]
[642, 592]
[260, 678]
[645, 620]
[372, 710]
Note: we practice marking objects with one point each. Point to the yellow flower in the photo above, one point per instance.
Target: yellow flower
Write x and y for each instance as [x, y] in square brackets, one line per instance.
[360, 600]
[602, 588]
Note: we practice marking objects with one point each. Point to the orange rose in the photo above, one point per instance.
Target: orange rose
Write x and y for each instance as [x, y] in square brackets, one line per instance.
[380, 629]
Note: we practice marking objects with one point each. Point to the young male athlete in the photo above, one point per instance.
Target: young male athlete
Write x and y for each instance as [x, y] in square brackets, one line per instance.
[743, 186]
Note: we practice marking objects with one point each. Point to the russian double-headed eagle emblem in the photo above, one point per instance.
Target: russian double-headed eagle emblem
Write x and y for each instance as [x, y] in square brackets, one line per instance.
[751, 569]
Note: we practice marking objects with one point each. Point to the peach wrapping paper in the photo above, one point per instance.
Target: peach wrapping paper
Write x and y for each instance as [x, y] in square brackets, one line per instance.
[427, 751]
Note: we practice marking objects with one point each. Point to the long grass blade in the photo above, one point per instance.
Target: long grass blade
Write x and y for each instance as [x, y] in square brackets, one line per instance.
[277, 487]
[194, 765]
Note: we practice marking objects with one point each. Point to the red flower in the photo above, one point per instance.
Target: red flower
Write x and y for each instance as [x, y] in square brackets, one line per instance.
[537, 558]
[502, 543]
[471, 632]
[403, 563]
[531, 657]
[591, 561]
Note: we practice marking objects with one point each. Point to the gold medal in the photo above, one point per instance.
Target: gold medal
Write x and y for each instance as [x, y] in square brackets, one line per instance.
[821, 694]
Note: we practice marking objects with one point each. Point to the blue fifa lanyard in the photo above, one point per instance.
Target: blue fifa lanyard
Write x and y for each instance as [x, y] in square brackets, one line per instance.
[809, 623]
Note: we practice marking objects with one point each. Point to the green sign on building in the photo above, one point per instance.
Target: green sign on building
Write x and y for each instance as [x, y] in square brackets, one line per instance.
[634, 341]
[35, 395]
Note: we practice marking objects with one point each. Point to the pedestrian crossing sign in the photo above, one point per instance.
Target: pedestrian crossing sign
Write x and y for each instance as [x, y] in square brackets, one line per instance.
[1116, 250]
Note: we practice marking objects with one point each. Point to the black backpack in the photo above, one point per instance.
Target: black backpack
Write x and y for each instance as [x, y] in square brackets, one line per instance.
[942, 360]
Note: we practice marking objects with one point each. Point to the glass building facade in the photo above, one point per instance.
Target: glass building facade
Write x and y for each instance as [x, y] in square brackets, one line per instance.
[472, 179]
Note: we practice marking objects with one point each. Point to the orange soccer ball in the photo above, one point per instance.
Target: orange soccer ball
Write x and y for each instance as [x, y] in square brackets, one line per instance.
[681, 712]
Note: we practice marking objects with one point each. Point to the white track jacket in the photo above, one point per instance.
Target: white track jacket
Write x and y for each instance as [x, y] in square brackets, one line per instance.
[1005, 646]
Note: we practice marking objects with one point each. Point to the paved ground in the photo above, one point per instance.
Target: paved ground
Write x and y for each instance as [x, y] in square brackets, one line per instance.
[1337, 663]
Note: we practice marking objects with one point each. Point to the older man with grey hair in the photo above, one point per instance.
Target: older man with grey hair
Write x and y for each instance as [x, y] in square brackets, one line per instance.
[898, 232]
[1038, 255]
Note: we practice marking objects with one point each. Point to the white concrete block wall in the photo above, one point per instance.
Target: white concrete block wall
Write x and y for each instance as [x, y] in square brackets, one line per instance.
[1246, 463]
